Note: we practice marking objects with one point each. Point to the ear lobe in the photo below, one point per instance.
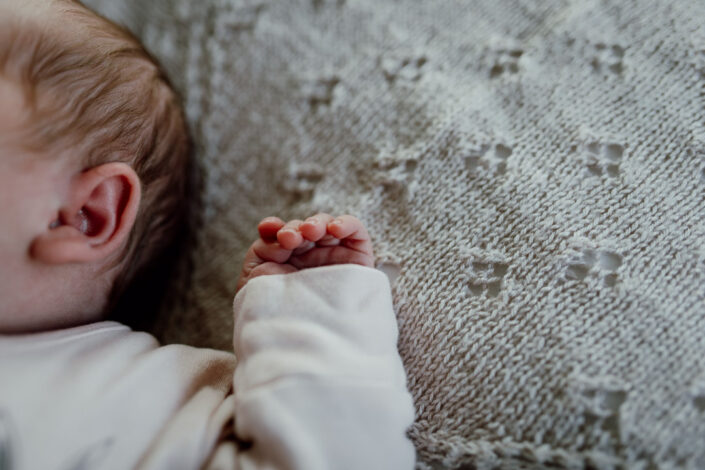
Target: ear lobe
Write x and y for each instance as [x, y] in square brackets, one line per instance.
[95, 220]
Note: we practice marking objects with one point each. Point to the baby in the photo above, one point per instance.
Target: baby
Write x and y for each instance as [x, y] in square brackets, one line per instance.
[94, 162]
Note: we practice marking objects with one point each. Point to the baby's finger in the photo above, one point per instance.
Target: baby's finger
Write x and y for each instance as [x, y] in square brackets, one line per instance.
[314, 228]
[270, 251]
[331, 255]
[268, 228]
[347, 226]
[352, 233]
[363, 246]
[328, 240]
[303, 248]
[289, 236]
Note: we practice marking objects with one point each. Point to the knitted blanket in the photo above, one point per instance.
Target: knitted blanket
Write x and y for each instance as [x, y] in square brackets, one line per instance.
[532, 173]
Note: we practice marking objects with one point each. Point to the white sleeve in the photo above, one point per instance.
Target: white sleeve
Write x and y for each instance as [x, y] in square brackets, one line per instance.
[319, 383]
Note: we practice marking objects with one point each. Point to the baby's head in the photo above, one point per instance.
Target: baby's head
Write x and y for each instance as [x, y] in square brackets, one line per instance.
[94, 157]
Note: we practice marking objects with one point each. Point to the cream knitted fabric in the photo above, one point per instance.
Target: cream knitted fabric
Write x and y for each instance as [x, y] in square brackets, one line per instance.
[532, 172]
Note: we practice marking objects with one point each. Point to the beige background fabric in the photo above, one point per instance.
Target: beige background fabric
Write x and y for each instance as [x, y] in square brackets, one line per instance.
[533, 175]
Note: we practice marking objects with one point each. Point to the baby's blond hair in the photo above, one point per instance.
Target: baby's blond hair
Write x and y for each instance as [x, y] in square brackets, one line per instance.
[92, 87]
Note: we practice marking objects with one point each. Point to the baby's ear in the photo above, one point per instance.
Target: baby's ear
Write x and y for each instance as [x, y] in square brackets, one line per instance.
[96, 218]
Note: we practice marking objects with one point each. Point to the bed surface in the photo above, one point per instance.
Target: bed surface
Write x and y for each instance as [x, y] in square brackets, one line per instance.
[533, 176]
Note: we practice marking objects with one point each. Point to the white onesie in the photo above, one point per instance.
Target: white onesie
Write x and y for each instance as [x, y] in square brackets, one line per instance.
[318, 384]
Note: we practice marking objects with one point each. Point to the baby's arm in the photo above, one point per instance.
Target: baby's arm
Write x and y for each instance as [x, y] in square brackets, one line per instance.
[319, 383]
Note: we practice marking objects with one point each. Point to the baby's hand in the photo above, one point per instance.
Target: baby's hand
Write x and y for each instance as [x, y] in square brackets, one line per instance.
[320, 240]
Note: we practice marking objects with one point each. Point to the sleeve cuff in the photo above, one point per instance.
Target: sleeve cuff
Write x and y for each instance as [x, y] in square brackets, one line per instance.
[336, 322]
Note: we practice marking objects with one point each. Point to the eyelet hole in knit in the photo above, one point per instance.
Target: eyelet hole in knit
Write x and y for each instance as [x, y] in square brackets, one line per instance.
[603, 159]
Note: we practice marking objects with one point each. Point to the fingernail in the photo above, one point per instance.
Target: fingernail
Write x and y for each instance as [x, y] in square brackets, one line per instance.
[336, 221]
[311, 220]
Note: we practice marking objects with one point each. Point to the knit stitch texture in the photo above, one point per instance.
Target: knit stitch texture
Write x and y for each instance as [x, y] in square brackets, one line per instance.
[532, 173]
